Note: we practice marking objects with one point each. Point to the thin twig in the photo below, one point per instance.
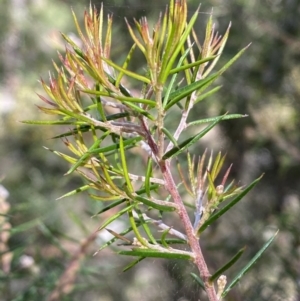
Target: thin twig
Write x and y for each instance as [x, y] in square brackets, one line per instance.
[65, 283]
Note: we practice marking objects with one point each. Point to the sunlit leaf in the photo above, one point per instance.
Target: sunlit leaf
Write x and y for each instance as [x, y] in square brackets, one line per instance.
[153, 204]
[155, 254]
[191, 65]
[212, 119]
[190, 141]
[188, 90]
[223, 210]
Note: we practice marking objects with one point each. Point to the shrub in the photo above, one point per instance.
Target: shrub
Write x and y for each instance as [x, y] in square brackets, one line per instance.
[90, 93]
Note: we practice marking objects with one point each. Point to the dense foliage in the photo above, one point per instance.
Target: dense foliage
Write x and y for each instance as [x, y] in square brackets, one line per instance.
[262, 83]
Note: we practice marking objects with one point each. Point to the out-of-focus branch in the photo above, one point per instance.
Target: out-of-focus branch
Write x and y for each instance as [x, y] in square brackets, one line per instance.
[65, 283]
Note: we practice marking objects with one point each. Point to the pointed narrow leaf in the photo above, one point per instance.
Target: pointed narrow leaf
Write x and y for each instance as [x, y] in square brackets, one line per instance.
[148, 176]
[215, 167]
[154, 205]
[155, 254]
[137, 109]
[114, 204]
[208, 120]
[125, 65]
[207, 94]
[198, 280]
[127, 142]
[120, 97]
[132, 264]
[75, 191]
[170, 241]
[100, 108]
[170, 136]
[189, 89]
[225, 267]
[230, 62]
[106, 198]
[191, 65]
[166, 69]
[163, 238]
[127, 72]
[119, 236]
[190, 141]
[249, 265]
[145, 226]
[84, 157]
[53, 122]
[172, 81]
[115, 216]
[219, 213]
[124, 165]
[108, 243]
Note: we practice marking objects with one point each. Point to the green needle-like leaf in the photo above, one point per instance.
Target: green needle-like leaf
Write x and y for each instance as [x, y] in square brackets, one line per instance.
[120, 97]
[161, 207]
[115, 216]
[115, 238]
[148, 176]
[53, 122]
[127, 72]
[124, 166]
[225, 267]
[75, 191]
[133, 263]
[100, 108]
[190, 141]
[128, 142]
[220, 212]
[191, 65]
[116, 203]
[172, 81]
[170, 241]
[145, 226]
[170, 136]
[230, 62]
[207, 94]
[212, 119]
[198, 280]
[166, 71]
[139, 110]
[188, 90]
[125, 65]
[155, 254]
[163, 238]
[110, 206]
[86, 155]
[249, 265]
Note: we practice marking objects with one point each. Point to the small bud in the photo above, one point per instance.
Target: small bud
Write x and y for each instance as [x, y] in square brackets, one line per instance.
[220, 189]
[221, 282]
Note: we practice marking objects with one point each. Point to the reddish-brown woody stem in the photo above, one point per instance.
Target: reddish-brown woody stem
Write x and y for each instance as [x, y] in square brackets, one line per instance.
[192, 239]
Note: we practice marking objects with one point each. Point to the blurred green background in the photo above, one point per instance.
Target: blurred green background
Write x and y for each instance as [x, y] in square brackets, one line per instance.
[45, 233]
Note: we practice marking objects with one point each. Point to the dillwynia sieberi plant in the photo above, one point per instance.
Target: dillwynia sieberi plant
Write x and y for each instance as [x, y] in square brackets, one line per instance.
[90, 93]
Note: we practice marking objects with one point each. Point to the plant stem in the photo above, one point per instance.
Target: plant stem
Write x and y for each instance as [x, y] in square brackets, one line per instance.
[192, 239]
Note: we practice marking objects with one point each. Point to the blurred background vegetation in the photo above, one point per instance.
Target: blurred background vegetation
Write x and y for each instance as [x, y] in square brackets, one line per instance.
[46, 233]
